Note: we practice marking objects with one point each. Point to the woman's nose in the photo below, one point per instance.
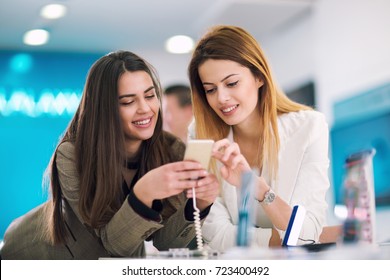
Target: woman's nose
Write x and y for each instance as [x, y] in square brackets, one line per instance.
[223, 96]
[143, 106]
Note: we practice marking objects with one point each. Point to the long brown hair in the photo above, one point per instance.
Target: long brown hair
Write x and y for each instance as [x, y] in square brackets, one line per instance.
[98, 137]
[235, 44]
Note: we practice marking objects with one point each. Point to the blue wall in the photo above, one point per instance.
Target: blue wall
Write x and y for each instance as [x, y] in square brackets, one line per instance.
[363, 122]
[30, 127]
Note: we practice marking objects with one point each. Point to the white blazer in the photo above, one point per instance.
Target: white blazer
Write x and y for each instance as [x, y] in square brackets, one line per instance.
[302, 179]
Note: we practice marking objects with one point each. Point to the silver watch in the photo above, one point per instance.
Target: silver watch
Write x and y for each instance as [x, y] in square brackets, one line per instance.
[269, 197]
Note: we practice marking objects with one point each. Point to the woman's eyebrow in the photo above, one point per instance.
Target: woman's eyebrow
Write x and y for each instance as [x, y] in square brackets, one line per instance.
[148, 89]
[127, 95]
[133, 94]
[227, 77]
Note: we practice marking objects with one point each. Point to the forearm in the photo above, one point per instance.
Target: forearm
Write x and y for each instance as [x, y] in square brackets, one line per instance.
[278, 211]
[223, 236]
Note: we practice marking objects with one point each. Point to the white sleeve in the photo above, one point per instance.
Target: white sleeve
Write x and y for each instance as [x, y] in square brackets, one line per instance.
[218, 230]
[313, 182]
[220, 233]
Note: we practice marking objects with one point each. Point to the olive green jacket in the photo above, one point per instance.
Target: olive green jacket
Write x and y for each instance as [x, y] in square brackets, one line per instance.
[122, 236]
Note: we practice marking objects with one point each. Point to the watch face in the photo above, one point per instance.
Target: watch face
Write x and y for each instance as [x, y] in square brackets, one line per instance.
[269, 197]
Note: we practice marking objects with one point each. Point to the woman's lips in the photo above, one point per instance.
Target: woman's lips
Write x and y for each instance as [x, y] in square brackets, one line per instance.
[143, 123]
[229, 110]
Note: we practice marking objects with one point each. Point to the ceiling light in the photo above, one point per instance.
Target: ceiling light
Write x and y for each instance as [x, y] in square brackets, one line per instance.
[53, 11]
[36, 37]
[179, 44]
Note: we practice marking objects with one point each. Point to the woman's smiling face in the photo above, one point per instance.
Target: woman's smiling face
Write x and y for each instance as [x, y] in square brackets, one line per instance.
[138, 105]
[232, 91]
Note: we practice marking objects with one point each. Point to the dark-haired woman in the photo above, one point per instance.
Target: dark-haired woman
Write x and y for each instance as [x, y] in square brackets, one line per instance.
[117, 179]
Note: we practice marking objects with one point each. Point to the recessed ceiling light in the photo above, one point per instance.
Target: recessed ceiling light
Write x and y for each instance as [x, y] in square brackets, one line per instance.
[179, 44]
[36, 37]
[53, 11]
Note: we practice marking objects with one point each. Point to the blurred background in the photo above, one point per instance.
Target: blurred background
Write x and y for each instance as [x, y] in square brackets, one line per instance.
[330, 54]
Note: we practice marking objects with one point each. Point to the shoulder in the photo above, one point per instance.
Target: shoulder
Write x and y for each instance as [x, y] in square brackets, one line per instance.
[301, 117]
[66, 148]
[175, 146]
[66, 151]
[307, 122]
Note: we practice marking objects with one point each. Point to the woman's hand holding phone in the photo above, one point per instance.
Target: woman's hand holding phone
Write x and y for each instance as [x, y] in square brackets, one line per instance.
[207, 187]
[168, 180]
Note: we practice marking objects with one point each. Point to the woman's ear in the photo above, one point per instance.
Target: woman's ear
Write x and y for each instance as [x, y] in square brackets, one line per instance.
[259, 82]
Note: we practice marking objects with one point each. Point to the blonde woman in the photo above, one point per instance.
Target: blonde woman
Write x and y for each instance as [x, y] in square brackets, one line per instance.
[238, 104]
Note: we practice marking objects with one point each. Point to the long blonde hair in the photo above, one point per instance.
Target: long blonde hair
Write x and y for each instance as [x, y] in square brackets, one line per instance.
[234, 43]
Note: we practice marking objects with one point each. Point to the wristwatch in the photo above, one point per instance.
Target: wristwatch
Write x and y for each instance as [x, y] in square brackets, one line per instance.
[269, 197]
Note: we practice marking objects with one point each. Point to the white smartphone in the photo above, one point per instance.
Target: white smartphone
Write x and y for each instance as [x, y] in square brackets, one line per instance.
[199, 150]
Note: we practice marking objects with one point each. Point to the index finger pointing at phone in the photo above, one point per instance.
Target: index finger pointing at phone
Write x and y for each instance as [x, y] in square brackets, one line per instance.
[220, 145]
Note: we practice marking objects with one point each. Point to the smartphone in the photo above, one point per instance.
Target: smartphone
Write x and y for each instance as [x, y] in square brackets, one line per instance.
[199, 150]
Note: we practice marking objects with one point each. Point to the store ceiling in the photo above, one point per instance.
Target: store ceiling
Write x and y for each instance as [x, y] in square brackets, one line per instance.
[101, 26]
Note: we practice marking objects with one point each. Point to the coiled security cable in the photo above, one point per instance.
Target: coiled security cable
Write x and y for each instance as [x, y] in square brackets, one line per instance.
[198, 229]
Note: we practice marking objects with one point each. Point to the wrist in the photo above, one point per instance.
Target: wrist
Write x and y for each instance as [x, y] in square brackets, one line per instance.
[143, 196]
[269, 197]
[265, 194]
[262, 189]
